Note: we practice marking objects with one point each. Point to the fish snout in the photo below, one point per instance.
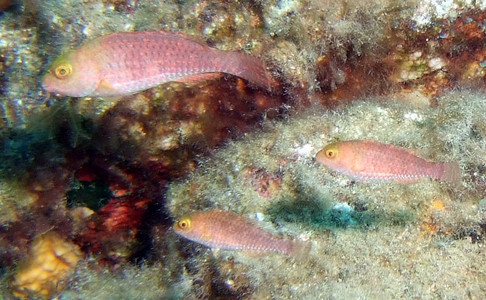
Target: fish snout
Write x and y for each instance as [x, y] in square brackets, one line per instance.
[48, 84]
[45, 83]
[54, 86]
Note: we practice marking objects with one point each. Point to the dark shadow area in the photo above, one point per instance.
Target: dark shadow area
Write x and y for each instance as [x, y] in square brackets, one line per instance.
[43, 142]
[315, 213]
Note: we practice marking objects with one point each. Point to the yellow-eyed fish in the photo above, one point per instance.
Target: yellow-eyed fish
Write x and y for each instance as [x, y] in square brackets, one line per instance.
[230, 231]
[124, 63]
[366, 160]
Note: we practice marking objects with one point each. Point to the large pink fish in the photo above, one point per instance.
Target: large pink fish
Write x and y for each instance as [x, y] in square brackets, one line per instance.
[230, 231]
[128, 62]
[367, 160]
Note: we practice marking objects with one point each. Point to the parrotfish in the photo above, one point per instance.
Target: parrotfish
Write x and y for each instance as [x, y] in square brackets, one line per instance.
[230, 231]
[366, 160]
[125, 63]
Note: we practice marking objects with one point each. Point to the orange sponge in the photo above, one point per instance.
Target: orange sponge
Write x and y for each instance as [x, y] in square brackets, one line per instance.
[51, 261]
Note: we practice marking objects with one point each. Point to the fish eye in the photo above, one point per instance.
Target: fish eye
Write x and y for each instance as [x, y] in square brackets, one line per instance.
[63, 71]
[184, 224]
[331, 153]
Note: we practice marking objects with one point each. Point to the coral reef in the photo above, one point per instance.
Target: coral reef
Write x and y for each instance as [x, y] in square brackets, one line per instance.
[320, 50]
[360, 231]
[96, 170]
[13, 201]
[20, 61]
[34, 182]
[131, 282]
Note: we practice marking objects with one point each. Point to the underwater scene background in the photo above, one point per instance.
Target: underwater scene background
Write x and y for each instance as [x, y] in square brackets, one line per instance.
[113, 144]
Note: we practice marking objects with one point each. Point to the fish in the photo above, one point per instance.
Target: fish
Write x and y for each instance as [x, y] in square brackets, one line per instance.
[126, 63]
[368, 160]
[230, 231]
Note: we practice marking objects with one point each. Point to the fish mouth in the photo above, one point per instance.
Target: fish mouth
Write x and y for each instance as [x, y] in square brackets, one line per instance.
[48, 87]
[45, 84]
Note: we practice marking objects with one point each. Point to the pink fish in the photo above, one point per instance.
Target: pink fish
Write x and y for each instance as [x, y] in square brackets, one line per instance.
[366, 160]
[124, 63]
[230, 231]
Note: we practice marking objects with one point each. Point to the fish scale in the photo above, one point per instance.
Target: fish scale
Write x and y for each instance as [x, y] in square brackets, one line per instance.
[145, 65]
[124, 63]
[389, 162]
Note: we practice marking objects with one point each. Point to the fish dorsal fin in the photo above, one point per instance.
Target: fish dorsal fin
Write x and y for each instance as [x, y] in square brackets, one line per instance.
[359, 165]
[104, 87]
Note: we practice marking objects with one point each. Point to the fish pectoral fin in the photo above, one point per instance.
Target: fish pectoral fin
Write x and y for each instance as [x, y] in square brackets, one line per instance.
[206, 237]
[199, 77]
[104, 87]
[357, 166]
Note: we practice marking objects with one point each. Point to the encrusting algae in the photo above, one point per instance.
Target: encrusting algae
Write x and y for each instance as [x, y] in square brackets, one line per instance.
[125, 63]
[230, 231]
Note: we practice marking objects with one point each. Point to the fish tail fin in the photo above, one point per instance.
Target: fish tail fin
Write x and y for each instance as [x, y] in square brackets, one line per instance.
[300, 249]
[451, 173]
[249, 68]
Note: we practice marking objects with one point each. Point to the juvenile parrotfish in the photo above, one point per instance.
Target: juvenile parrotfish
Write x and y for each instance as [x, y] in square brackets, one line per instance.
[125, 63]
[230, 231]
[366, 160]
